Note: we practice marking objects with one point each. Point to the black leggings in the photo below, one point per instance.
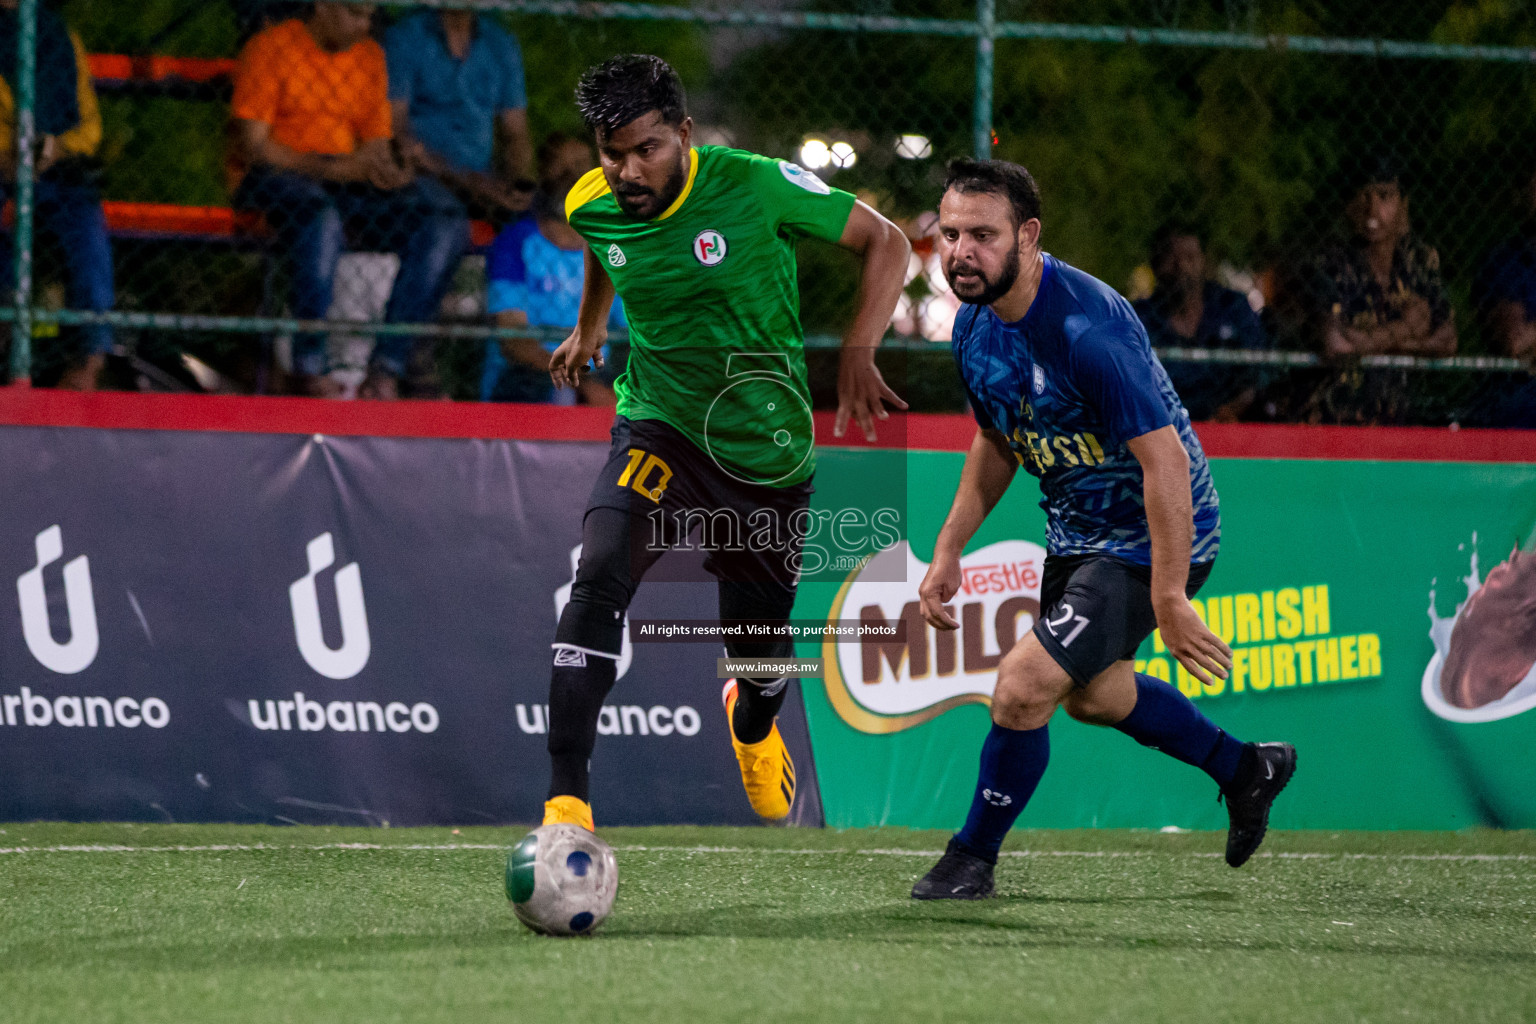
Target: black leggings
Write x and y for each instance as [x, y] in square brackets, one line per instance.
[614, 559]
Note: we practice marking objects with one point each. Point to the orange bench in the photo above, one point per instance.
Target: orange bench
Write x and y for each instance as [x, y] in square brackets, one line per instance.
[113, 69]
[170, 220]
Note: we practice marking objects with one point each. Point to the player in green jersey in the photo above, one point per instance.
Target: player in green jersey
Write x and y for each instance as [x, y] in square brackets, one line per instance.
[714, 420]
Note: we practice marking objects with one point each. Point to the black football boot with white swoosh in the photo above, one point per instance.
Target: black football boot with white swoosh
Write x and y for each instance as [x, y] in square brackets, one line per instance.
[1248, 801]
[957, 876]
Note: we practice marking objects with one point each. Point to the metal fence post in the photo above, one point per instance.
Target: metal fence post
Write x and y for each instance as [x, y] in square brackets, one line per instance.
[26, 104]
[986, 34]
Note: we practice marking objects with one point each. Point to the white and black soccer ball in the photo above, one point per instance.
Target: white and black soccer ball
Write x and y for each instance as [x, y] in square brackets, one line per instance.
[561, 880]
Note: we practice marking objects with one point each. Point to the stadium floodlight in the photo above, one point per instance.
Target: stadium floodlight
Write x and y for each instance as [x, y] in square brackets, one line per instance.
[815, 154]
[843, 154]
[913, 147]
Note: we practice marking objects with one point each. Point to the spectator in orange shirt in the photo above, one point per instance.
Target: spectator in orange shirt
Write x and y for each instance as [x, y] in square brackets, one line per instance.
[313, 153]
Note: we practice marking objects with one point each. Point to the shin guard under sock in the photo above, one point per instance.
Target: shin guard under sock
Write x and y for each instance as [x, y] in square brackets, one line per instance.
[1166, 720]
[576, 693]
[1012, 762]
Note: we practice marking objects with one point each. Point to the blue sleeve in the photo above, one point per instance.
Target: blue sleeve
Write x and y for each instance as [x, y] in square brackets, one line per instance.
[1150, 319]
[505, 262]
[514, 88]
[983, 420]
[401, 43]
[959, 334]
[505, 270]
[1112, 369]
[1250, 329]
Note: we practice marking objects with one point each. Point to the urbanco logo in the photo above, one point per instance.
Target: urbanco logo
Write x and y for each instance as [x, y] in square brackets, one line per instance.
[84, 641]
[345, 661]
[884, 685]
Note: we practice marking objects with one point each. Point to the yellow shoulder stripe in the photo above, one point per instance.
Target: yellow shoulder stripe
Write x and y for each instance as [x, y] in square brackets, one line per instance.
[591, 186]
[693, 172]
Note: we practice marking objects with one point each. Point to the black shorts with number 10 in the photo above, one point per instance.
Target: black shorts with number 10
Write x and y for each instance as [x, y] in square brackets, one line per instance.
[671, 488]
[1097, 610]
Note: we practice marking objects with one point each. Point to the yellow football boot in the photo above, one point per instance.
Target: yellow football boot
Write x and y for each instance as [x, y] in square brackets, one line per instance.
[567, 810]
[767, 772]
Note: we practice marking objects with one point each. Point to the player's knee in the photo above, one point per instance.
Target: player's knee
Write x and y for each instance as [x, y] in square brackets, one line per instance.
[596, 626]
[1023, 701]
[1084, 706]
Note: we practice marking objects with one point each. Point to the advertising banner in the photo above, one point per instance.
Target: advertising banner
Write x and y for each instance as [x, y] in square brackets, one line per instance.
[265, 627]
[292, 627]
[1380, 617]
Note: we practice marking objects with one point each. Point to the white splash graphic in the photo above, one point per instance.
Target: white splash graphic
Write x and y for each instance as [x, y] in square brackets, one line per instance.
[1518, 700]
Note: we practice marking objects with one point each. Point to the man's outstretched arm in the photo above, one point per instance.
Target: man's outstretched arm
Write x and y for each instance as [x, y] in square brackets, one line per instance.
[861, 391]
[1171, 523]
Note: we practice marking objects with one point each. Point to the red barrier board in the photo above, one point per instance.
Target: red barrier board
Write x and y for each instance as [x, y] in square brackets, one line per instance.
[925, 431]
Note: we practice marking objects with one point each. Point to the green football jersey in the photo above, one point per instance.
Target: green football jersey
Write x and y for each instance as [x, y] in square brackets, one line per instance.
[716, 348]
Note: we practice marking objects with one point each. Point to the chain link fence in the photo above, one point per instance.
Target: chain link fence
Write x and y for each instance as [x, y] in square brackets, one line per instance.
[1324, 212]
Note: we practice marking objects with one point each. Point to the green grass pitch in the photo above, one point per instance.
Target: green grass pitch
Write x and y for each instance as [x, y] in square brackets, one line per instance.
[173, 923]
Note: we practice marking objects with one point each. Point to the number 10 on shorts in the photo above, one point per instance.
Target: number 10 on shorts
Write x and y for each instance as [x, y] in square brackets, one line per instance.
[639, 470]
[1066, 617]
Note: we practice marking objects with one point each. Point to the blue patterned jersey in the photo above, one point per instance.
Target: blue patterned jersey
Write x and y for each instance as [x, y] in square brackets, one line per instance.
[1068, 385]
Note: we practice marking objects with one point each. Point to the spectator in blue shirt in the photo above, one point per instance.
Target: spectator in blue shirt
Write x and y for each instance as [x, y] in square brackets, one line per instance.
[534, 274]
[1505, 293]
[1188, 311]
[455, 83]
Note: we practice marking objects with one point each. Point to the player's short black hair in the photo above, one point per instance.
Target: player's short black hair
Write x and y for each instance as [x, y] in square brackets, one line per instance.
[1174, 227]
[999, 178]
[620, 89]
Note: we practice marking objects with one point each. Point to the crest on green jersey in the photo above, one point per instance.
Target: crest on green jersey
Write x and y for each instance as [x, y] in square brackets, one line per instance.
[616, 256]
[709, 247]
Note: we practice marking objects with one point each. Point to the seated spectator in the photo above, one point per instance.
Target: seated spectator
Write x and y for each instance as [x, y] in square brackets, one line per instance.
[1380, 293]
[1505, 294]
[534, 273]
[313, 153]
[455, 83]
[1186, 310]
[67, 122]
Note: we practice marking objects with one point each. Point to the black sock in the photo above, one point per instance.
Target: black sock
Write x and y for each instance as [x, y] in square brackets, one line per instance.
[576, 694]
[757, 703]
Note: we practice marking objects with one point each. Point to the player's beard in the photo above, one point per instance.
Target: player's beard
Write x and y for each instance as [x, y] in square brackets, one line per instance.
[991, 289]
[651, 203]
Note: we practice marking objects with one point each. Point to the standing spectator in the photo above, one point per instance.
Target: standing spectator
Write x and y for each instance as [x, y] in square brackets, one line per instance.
[1187, 310]
[455, 83]
[1380, 293]
[1505, 293]
[535, 272]
[67, 121]
[313, 153]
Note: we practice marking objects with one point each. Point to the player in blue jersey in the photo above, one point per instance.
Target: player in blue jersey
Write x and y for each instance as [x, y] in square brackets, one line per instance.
[1064, 382]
